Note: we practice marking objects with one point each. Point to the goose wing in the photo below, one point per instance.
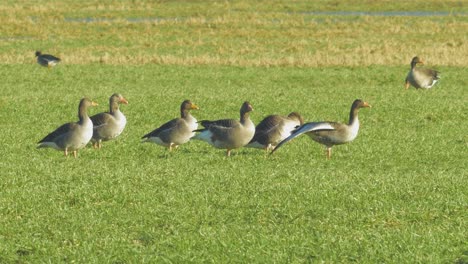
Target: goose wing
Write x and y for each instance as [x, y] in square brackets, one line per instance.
[219, 123]
[308, 127]
[49, 58]
[165, 127]
[60, 131]
[100, 119]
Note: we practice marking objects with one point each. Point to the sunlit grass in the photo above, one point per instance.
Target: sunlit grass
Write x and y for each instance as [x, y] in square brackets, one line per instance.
[237, 33]
[395, 195]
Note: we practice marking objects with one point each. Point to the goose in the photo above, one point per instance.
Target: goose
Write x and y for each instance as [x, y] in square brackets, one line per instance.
[109, 125]
[228, 134]
[176, 131]
[331, 133]
[273, 129]
[421, 77]
[71, 136]
[46, 60]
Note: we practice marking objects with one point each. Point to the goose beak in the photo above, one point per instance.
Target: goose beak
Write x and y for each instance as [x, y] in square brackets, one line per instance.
[94, 103]
[194, 106]
[366, 104]
[123, 100]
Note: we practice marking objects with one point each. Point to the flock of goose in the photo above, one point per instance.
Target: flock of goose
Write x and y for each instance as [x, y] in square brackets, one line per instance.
[270, 134]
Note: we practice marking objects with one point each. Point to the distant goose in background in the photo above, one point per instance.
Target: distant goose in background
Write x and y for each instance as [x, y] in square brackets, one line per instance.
[109, 125]
[228, 134]
[421, 77]
[46, 60]
[331, 133]
[71, 136]
[177, 131]
[273, 129]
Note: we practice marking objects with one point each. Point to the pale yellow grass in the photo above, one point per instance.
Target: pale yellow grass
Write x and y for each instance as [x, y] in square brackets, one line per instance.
[230, 38]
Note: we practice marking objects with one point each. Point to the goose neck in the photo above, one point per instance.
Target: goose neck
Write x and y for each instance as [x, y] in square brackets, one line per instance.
[184, 113]
[353, 116]
[244, 117]
[82, 113]
[113, 107]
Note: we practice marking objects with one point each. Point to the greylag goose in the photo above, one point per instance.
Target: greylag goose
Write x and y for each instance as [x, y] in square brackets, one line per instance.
[71, 136]
[176, 131]
[331, 133]
[421, 77]
[109, 125]
[46, 60]
[273, 129]
[228, 133]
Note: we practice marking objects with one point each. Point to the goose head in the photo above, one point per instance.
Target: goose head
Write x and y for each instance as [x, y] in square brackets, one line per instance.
[416, 60]
[188, 105]
[117, 98]
[296, 116]
[246, 108]
[185, 107]
[86, 102]
[358, 103]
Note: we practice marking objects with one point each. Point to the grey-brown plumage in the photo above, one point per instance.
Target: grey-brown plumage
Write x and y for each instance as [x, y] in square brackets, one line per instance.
[421, 77]
[46, 60]
[331, 133]
[228, 133]
[71, 136]
[177, 131]
[273, 129]
[109, 125]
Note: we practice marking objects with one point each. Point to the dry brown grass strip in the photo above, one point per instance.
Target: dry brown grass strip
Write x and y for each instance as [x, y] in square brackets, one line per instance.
[226, 37]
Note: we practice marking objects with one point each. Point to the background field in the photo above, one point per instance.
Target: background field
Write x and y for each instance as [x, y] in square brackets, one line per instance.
[397, 194]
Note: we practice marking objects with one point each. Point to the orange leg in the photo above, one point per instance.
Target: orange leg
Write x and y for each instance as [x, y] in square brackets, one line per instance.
[228, 153]
[407, 84]
[328, 153]
[74, 153]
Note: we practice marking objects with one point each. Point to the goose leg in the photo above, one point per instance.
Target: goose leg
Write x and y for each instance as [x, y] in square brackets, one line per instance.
[407, 84]
[74, 153]
[170, 146]
[228, 153]
[65, 152]
[95, 145]
[328, 153]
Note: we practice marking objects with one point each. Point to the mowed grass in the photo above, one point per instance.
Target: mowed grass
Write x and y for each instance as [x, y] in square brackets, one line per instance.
[396, 194]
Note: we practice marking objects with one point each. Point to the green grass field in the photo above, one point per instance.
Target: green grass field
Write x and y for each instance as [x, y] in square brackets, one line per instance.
[397, 194]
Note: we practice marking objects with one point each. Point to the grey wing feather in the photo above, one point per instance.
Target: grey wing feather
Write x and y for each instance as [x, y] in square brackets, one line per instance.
[100, 119]
[48, 57]
[308, 127]
[168, 125]
[63, 129]
[221, 123]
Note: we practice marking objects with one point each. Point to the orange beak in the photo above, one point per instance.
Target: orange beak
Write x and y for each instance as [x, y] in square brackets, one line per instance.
[123, 100]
